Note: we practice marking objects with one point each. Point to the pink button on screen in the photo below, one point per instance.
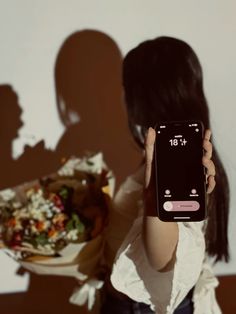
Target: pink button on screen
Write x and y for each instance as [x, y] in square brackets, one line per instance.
[181, 206]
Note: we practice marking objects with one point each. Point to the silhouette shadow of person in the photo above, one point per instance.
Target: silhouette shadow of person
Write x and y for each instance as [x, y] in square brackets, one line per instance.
[89, 100]
[10, 115]
[35, 161]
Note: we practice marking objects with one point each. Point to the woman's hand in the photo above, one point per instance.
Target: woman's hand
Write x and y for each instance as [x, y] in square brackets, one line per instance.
[208, 163]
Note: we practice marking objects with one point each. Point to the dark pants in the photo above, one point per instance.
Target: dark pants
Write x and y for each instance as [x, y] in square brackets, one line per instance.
[116, 305]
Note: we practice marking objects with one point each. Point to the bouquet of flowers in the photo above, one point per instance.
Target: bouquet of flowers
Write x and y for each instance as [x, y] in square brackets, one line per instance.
[55, 225]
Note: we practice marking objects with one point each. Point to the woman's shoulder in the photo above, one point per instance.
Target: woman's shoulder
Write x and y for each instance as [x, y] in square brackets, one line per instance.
[133, 182]
[128, 198]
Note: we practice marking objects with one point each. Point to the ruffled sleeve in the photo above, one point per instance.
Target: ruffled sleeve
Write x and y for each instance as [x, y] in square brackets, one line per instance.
[204, 292]
[163, 291]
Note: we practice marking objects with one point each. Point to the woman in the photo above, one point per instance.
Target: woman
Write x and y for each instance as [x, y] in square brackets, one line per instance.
[162, 267]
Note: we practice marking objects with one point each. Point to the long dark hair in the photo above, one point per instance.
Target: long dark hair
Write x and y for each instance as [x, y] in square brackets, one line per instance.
[163, 81]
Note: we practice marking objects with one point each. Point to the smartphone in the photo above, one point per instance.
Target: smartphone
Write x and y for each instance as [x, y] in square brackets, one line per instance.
[180, 174]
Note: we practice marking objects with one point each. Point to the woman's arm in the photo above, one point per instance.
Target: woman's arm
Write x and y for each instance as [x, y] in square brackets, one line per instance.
[160, 238]
[160, 241]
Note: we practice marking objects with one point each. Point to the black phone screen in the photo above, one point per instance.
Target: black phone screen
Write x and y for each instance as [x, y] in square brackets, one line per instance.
[180, 178]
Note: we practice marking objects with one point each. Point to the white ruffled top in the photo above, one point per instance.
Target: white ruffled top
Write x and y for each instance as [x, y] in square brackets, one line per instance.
[131, 273]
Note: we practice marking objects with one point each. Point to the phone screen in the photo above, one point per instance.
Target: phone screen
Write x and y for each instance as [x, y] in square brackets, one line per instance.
[180, 177]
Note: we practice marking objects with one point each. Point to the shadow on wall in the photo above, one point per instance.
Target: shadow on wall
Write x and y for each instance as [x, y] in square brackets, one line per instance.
[30, 165]
[89, 101]
[90, 105]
